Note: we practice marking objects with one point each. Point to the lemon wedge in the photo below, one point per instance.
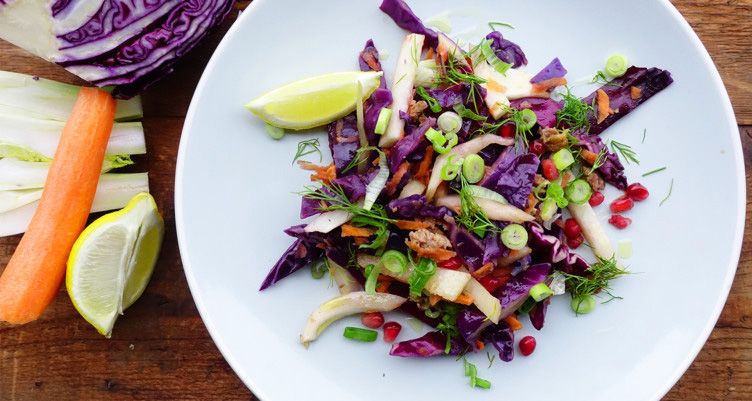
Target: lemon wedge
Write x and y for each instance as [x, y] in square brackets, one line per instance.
[112, 261]
[315, 101]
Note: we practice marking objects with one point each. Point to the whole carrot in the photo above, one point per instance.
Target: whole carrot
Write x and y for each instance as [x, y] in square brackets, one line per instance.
[34, 273]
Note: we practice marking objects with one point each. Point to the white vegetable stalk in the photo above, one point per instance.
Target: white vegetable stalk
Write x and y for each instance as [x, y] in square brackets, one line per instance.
[593, 231]
[494, 210]
[114, 191]
[402, 87]
[23, 95]
[20, 175]
[345, 305]
[373, 189]
[42, 136]
[483, 300]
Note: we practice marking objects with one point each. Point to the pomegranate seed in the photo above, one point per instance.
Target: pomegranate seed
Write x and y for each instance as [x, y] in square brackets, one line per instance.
[391, 331]
[620, 222]
[527, 345]
[451, 264]
[637, 192]
[537, 147]
[575, 242]
[596, 198]
[572, 228]
[372, 320]
[490, 283]
[621, 204]
[507, 130]
[550, 170]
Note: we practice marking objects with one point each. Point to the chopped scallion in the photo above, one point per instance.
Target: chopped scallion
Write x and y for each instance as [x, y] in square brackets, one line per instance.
[540, 292]
[450, 170]
[616, 65]
[527, 306]
[548, 209]
[578, 191]
[394, 261]
[514, 236]
[563, 159]
[423, 271]
[584, 304]
[372, 276]
[384, 115]
[432, 103]
[490, 56]
[357, 333]
[318, 268]
[449, 121]
[473, 168]
[274, 131]
[654, 171]
[528, 119]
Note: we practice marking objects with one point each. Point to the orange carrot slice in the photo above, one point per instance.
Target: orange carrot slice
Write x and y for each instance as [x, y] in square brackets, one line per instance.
[34, 273]
[604, 109]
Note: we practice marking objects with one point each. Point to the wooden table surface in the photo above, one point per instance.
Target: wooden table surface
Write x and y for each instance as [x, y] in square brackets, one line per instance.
[160, 348]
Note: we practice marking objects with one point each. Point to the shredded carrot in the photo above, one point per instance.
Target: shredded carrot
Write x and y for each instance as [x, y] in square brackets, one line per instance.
[348, 230]
[437, 254]
[480, 345]
[566, 178]
[532, 201]
[360, 240]
[429, 55]
[485, 269]
[589, 156]
[513, 323]
[433, 299]
[425, 164]
[543, 86]
[391, 186]
[32, 278]
[604, 109]
[495, 86]
[321, 173]
[464, 299]
[410, 224]
[384, 282]
[635, 92]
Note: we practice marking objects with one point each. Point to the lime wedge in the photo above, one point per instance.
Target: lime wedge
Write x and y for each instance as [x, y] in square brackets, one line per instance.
[315, 101]
[112, 261]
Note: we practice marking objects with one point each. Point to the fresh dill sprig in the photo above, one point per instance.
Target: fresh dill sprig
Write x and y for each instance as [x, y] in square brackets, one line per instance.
[626, 151]
[490, 358]
[472, 215]
[333, 197]
[601, 79]
[654, 171]
[598, 279]
[574, 113]
[493, 24]
[600, 159]
[306, 148]
[670, 189]
[644, 132]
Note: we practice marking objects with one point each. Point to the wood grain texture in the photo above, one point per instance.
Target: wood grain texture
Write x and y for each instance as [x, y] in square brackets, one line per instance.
[160, 350]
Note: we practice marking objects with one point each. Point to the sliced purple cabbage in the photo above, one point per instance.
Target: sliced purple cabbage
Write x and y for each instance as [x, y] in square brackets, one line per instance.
[544, 108]
[404, 17]
[515, 291]
[344, 142]
[554, 69]
[414, 205]
[611, 170]
[470, 324]
[408, 144]
[506, 51]
[493, 248]
[649, 80]
[468, 247]
[451, 95]
[512, 176]
[297, 256]
[548, 248]
[538, 314]
[501, 336]
[431, 344]
[380, 98]
[353, 186]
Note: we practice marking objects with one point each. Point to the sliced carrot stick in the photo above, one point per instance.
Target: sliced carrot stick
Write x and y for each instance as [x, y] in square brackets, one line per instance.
[391, 186]
[34, 273]
[635, 93]
[548, 84]
[410, 224]
[485, 269]
[589, 156]
[464, 299]
[513, 323]
[480, 344]
[604, 108]
[422, 173]
[352, 231]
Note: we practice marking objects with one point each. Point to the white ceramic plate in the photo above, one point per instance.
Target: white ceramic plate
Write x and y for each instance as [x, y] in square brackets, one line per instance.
[234, 196]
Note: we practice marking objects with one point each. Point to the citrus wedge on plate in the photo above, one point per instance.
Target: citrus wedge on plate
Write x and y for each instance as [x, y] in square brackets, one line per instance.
[112, 261]
[315, 101]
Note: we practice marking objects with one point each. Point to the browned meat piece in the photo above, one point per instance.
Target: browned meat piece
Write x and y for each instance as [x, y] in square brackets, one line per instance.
[415, 110]
[554, 139]
[596, 181]
[431, 243]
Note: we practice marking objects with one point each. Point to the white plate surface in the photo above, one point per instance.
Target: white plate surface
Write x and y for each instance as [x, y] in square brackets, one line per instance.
[235, 185]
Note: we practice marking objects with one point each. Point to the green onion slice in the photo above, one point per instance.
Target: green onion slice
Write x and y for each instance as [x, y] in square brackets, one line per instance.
[384, 115]
[372, 275]
[490, 56]
[357, 333]
[540, 292]
[584, 304]
[473, 168]
[556, 192]
[450, 170]
[527, 306]
[563, 159]
[442, 143]
[548, 209]
[394, 261]
[449, 121]
[514, 236]
[528, 120]
[424, 270]
[432, 103]
[616, 65]
[318, 268]
[274, 131]
[578, 191]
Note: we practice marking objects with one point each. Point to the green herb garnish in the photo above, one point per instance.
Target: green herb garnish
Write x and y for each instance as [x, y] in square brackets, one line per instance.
[625, 150]
[493, 24]
[597, 280]
[670, 189]
[472, 215]
[654, 171]
[574, 112]
[306, 148]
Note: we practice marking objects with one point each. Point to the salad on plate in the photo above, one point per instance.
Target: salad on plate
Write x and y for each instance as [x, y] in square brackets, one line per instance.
[462, 189]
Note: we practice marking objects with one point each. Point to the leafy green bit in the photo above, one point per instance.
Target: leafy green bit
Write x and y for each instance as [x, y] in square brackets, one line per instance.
[306, 148]
[448, 324]
[626, 151]
[644, 132]
[574, 112]
[471, 215]
[319, 267]
[598, 279]
[333, 197]
[490, 358]
[492, 25]
[601, 79]
[432, 103]
[670, 188]
[654, 171]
